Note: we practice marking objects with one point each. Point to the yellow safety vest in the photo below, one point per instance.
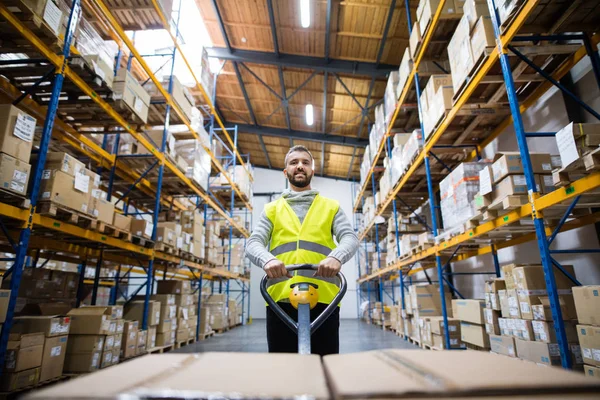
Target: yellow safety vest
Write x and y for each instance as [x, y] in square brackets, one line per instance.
[306, 243]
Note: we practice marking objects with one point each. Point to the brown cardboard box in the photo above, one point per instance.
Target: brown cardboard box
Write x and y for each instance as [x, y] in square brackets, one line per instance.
[544, 331]
[135, 311]
[14, 174]
[53, 360]
[474, 334]
[82, 362]
[165, 338]
[164, 299]
[168, 312]
[510, 163]
[512, 185]
[589, 339]
[514, 310]
[85, 343]
[24, 352]
[587, 304]
[173, 287]
[106, 359]
[17, 130]
[495, 285]
[470, 310]
[505, 376]
[542, 312]
[151, 341]
[504, 308]
[120, 326]
[103, 210]
[90, 321]
[109, 343]
[522, 329]
[482, 36]
[426, 302]
[142, 228]
[129, 342]
[165, 235]
[113, 312]
[474, 10]
[182, 335]
[591, 371]
[19, 380]
[63, 162]
[428, 8]
[118, 342]
[437, 326]
[503, 345]
[184, 300]
[116, 356]
[122, 222]
[60, 188]
[439, 342]
[415, 39]
[459, 54]
[127, 88]
[50, 326]
[545, 353]
[142, 339]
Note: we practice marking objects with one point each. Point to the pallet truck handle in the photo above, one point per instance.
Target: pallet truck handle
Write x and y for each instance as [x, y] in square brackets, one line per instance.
[293, 325]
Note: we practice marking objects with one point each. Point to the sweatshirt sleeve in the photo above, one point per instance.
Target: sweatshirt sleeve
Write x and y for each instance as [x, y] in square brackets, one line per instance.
[346, 238]
[256, 246]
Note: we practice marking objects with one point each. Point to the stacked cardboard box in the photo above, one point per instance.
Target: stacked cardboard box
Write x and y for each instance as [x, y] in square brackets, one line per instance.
[54, 330]
[498, 344]
[457, 191]
[185, 309]
[134, 311]
[470, 312]
[129, 340]
[425, 302]
[587, 305]
[97, 53]
[217, 311]
[192, 222]
[434, 334]
[95, 338]
[212, 242]
[128, 89]
[180, 94]
[17, 130]
[23, 360]
[526, 318]
[436, 99]
[574, 140]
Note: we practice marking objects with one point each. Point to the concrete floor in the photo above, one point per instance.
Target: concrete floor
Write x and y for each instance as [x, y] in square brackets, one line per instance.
[355, 336]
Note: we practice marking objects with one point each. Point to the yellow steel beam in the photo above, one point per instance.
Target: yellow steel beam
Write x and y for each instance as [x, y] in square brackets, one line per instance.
[581, 186]
[101, 283]
[115, 25]
[206, 96]
[80, 83]
[564, 69]
[409, 81]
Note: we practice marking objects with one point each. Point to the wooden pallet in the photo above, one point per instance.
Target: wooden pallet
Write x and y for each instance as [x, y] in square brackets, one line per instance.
[14, 199]
[204, 336]
[110, 230]
[160, 349]
[414, 341]
[141, 241]
[19, 392]
[179, 345]
[66, 214]
[589, 162]
[221, 331]
[165, 248]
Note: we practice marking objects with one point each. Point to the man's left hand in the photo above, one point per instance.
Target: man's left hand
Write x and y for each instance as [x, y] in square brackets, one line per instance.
[328, 268]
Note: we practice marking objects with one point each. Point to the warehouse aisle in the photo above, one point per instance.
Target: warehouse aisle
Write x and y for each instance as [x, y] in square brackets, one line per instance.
[355, 336]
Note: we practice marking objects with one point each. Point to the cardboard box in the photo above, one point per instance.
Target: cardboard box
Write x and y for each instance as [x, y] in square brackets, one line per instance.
[82, 362]
[542, 312]
[510, 163]
[474, 10]
[587, 304]
[503, 345]
[17, 131]
[439, 342]
[182, 335]
[113, 312]
[109, 343]
[543, 331]
[142, 339]
[482, 37]
[135, 312]
[102, 209]
[24, 352]
[428, 9]
[19, 380]
[470, 310]
[173, 287]
[504, 307]
[142, 228]
[14, 174]
[130, 340]
[90, 321]
[522, 329]
[106, 359]
[474, 334]
[589, 340]
[85, 343]
[575, 139]
[165, 338]
[50, 326]
[127, 88]
[165, 325]
[151, 338]
[168, 312]
[545, 353]
[591, 371]
[437, 326]
[53, 359]
[426, 302]
[512, 185]
[65, 190]
[514, 308]
[122, 222]
[415, 39]
[63, 162]
[460, 54]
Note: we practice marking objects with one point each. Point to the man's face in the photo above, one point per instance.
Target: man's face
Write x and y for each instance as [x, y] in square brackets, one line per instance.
[299, 169]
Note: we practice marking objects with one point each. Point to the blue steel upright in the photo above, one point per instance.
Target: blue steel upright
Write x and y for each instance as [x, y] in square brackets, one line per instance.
[431, 193]
[538, 221]
[24, 236]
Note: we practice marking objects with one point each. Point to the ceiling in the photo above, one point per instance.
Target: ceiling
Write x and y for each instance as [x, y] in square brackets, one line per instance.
[274, 67]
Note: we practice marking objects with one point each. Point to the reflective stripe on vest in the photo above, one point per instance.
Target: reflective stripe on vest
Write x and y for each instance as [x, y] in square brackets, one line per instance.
[308, 242]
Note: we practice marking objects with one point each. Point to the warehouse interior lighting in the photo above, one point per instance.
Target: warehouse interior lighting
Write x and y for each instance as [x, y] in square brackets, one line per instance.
[305, 13]
[310, 118]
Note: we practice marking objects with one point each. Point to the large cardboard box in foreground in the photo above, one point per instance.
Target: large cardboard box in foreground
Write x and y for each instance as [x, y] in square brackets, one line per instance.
[226, 375]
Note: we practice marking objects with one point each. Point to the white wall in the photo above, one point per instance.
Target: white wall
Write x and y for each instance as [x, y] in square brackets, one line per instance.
[267, 181]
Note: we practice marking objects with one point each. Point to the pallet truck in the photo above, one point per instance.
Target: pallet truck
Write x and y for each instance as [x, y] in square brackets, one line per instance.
[304, 297]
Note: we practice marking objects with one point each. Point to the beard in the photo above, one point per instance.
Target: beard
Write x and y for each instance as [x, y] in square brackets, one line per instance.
[300, 183]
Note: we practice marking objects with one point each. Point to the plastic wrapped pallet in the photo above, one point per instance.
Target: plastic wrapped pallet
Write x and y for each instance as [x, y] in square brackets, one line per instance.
[100, 54]
[390, 98]
[411, 148]
[457, 191]
[404, 71]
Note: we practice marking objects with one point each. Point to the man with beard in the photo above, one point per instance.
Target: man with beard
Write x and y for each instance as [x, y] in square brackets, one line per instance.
[299, 228]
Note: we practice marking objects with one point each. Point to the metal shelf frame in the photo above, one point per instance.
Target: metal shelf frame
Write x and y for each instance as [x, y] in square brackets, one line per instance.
[22, 241]
[405, 268]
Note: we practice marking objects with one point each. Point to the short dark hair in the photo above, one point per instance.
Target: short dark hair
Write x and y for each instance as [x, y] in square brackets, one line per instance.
[298, 147]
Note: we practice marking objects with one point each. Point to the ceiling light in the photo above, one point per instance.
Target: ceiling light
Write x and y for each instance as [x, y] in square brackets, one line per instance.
[309, 115]
[305, 13]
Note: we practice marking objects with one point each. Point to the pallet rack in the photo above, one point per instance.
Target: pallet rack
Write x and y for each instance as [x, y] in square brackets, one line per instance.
[563, 51]
[161, 184]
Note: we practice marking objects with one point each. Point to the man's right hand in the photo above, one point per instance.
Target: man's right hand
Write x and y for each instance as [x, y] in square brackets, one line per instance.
[276, 269]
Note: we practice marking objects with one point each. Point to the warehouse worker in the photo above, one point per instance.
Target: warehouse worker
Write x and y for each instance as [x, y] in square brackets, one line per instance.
[299, 228]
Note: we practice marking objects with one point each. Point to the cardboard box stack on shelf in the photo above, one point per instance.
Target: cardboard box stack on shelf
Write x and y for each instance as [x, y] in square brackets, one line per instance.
[98, 54]
[23, 361]
[577, 146]
[180, 94]
[134, 311]
[95, 338]
[216, 305]
[435, 100]
[17, 130]
[470, 312]
[423, 303]
[473, 39]
[212, 242]
[127, 89]
[587, 306]
[185, 307]
[457, 191]
[525, 315]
